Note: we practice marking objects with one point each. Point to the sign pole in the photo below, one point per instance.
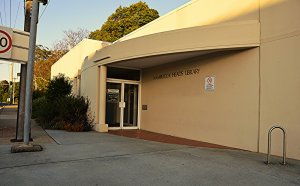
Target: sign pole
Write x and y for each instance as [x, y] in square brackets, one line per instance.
[30, 65]
[11, 74]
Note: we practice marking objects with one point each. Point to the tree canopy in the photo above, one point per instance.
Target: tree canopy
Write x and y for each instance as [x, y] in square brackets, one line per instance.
[45, 57]
[5, 90]
[125, 20]
[71, 39]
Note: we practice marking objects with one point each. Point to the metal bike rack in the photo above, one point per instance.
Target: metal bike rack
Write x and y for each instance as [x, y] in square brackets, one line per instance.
[269, 144]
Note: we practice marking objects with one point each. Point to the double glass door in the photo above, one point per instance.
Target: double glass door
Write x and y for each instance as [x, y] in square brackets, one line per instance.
[122, 105]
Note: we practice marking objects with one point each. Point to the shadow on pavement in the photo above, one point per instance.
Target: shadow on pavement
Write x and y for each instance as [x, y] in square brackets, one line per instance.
[8, 120]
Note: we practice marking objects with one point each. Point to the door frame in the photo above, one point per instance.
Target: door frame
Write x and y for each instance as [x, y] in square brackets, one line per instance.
[123, 82]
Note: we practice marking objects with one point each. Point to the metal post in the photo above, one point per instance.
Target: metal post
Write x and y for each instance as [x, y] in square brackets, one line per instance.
[13, 97]
[29, 77]
[11, 69]
[284, 147]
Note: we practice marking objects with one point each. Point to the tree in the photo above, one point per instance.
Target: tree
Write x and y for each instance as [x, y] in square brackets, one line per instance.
[125, 20]
[42, 53]
[45, 58]
[71, 39]
[4, 90]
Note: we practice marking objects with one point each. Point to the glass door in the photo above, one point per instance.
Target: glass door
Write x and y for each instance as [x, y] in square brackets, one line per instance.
[122, 105]
[130, 116]
[113, 99]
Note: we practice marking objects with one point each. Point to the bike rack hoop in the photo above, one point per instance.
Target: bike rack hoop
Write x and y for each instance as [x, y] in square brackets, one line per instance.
[270, 141]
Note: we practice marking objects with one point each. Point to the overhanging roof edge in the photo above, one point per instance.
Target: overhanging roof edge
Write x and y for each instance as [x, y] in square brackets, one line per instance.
[231, 35]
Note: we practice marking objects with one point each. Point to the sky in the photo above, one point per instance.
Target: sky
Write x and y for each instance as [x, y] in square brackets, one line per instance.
[61, 15]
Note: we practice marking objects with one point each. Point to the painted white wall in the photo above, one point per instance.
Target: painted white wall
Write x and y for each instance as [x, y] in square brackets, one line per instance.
[71, 62]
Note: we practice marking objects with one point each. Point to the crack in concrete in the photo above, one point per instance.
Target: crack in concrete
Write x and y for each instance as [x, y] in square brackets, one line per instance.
[93, 158]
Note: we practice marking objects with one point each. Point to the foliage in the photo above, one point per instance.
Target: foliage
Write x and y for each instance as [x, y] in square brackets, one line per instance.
[125, 20]
[16, 89]
[37, 94]
[74, 115]
[42, 53]
[3, 93]
[5, 85]
[59, 87]
[5, 90]
[45, 57]
[43, 110]
[71, 39]
[59, 110]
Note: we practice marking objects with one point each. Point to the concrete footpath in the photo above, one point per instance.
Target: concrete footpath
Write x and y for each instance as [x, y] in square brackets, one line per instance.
[93, 158]
[8, 120]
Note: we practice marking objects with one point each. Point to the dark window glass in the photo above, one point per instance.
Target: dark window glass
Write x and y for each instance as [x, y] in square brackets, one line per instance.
[123, 73]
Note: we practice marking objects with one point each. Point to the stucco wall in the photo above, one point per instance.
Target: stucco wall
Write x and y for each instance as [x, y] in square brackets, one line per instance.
[280, 77]
[71, 62]
[180, 106]
[90, 89]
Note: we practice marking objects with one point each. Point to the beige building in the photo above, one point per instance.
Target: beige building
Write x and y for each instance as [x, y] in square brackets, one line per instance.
[219, 71]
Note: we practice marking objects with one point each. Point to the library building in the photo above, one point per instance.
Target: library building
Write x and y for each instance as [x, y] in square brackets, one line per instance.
[218, 71]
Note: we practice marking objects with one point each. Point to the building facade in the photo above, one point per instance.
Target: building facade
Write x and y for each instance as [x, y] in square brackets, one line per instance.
[222, 72]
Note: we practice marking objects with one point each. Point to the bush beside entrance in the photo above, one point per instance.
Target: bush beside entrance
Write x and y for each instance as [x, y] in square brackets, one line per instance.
[57, 109]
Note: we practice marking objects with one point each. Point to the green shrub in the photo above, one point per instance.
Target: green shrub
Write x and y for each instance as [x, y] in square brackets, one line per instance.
[74, 112]
[44, 111]
[37, 94]
[37, 106]
[58, 88]
[59, 110]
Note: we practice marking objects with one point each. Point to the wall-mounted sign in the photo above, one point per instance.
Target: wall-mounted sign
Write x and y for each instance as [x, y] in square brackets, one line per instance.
[112, 95]
[209, 83]
[179, 73]
[6, 35]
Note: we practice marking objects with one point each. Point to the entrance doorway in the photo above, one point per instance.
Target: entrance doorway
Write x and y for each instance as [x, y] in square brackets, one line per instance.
[122, 103]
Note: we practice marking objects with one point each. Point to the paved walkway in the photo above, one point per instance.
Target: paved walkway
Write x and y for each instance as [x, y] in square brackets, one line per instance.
[152, 136]
[93, 158]
[8, 120]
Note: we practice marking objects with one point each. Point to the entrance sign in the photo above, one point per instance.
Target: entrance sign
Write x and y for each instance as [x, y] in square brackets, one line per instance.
[6, 35]
[178, 73]
[209, 84]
